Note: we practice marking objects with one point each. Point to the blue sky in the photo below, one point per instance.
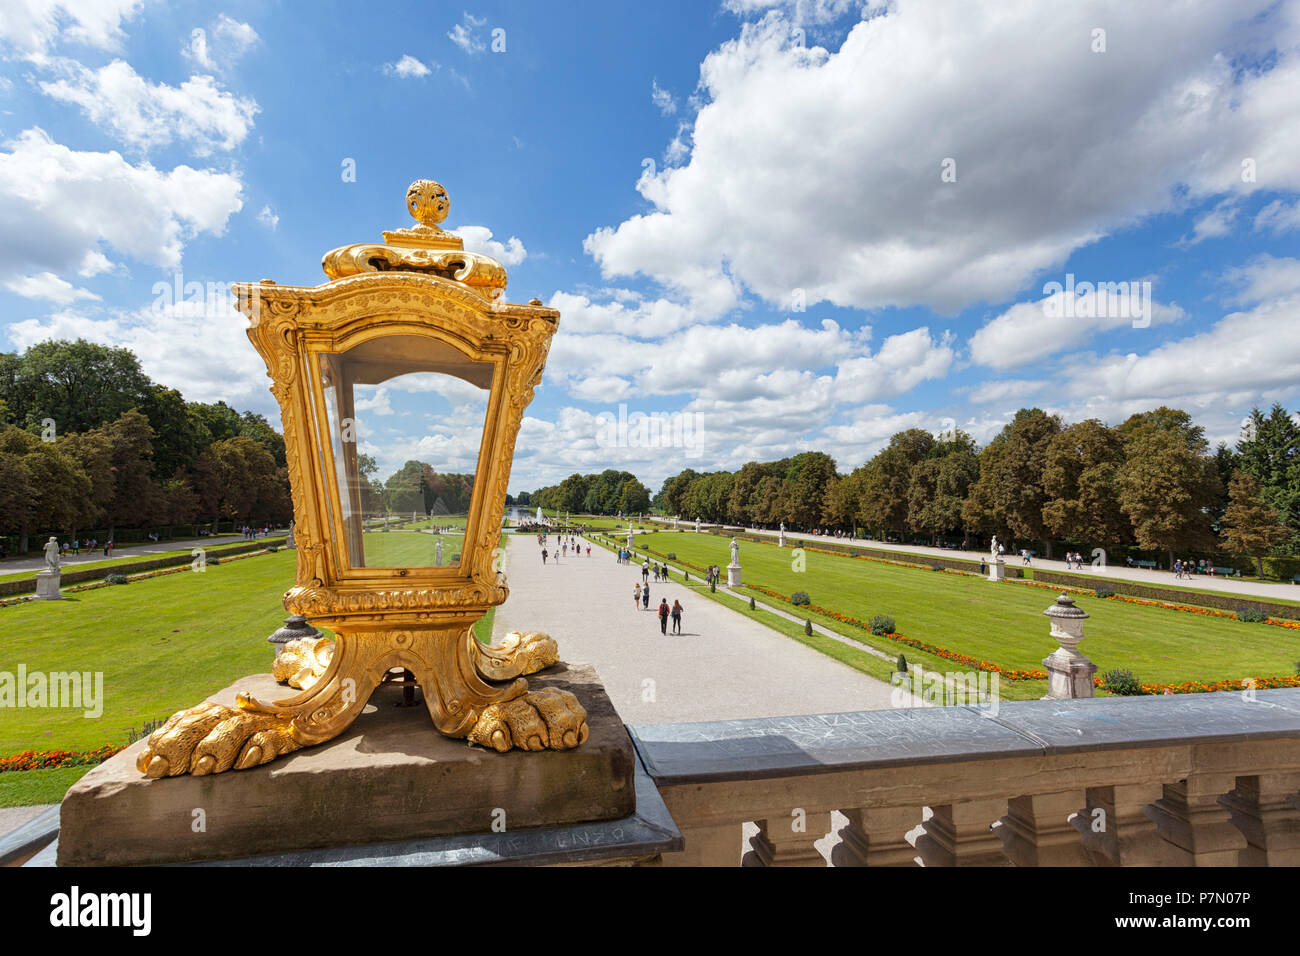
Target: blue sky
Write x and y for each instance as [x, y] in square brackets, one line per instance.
[802, 225]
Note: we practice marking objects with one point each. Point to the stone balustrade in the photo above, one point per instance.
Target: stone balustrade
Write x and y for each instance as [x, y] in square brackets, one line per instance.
[1181, 780]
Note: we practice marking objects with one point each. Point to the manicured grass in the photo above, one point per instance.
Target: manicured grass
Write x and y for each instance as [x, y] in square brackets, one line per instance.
[162, 644]
[1003, 623]
[130, 559]
[409, 549]
[32, 787]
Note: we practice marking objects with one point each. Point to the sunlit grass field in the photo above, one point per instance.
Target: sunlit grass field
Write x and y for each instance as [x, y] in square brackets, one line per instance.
[1002, 623]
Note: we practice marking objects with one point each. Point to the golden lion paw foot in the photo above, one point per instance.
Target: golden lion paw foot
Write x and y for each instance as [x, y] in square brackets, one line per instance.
[303, 661]
[211, 738]
[538, 720]
[519, 653]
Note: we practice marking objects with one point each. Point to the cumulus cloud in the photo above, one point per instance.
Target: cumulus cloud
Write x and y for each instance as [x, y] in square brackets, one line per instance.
[1278, 217]
[821, 170]
[32, 27]
[1265, 277]
[1032, 331]
[479, 239]
[268, 218]
[407, 67]
[221, 45]
[145, 115]
[662, 99]
[48, 286]
[465, 34]
[61, 209]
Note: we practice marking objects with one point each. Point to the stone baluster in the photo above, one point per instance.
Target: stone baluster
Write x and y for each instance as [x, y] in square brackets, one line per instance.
[1122, 834]
[877, 837]
[961, 834]
[1037, 830]
[788, 840]
[1194, 822]
[1266, 809]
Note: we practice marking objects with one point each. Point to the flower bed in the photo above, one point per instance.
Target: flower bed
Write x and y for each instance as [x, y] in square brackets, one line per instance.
[55, 759]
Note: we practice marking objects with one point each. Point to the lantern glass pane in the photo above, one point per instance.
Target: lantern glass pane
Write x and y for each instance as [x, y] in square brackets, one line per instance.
[406, 419]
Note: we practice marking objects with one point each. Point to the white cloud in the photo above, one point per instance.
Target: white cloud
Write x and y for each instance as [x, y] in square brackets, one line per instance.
[145, 115]
[58, 205]
[630, 315]
[221, 45]
[821, 170]
[48, 286]
[1278, 217]
[479, 239]
[992, 393]
[1264, 278]
[268, 218]
[799, 11]
[1031, 331]
[407, 67]
[200, 349]
[903, 362]
[31, 27]
[465, 34]
[662, 99]
[1214, 224]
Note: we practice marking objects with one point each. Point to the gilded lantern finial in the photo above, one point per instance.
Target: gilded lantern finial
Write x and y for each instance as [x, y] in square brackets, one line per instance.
[427, 200]
[425, 248]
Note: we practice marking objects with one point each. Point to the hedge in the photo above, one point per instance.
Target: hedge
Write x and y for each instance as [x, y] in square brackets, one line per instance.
[23, 585]
[831, 544]
[1223, 602]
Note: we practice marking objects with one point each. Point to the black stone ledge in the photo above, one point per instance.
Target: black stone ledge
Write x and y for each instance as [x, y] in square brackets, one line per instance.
[770, 747]
[33, 836]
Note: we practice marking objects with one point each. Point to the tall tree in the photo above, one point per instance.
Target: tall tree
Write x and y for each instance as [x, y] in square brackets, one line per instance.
[1250, 526]
[80, 385]
[1269, 452]
[1009, 494]
[41, 487]
[1080, 480]
[1167, 485]
[809, 474]
[888, 477]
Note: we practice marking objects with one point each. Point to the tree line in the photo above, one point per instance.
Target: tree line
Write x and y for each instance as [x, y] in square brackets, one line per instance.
[1151, 482]
[610, 492]
[89, 442]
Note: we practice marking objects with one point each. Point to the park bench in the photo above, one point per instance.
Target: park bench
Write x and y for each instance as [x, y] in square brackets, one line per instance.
[1296, 579]
[1145, 564]
[1224, 572]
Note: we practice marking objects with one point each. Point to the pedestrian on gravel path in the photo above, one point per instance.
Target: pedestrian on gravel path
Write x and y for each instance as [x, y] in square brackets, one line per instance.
[636, 595]
[677, 617]
[663, 616]
[645, 597]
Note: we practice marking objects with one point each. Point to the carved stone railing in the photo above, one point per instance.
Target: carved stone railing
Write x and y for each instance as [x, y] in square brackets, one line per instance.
[1182, 780]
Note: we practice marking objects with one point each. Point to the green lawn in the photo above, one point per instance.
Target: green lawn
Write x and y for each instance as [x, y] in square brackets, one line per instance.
[409, 549]
[1003, 623]
[130, 559]
[33, 787]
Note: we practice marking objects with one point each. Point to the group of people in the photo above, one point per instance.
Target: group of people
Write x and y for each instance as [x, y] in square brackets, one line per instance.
[563, 545]
[90, 544]
[641, 600]
[250, 533]
[660, 571]
[1073, 559]
[712, 574]
[1185, 569]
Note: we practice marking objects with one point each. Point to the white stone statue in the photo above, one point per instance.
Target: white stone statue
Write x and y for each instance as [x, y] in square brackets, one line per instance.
[993, 547]
[289, 542]
[783, 527]
[437, 553]
[735, 552]
[52, 554]
[697, 525]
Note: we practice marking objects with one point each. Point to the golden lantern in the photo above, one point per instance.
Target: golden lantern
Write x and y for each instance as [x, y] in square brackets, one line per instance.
[420, 312]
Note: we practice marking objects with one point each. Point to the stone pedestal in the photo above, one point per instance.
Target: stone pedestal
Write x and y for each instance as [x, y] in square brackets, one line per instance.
[47, 585]
[1069, 673]
[997, 570]
[733, 575]
[780, 540]
[391, 777]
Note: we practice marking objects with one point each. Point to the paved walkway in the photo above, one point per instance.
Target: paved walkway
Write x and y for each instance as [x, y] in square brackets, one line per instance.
[146, 550]
[1202, 582]
[723, 666]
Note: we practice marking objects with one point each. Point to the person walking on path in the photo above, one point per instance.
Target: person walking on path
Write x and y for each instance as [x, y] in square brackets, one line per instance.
[677, 617]
[645, 596]
[645, 571]
[544, 554]
[636, 595]
[983, 567]
[663, 615]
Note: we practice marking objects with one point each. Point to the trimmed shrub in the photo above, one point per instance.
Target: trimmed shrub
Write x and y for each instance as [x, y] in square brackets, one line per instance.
[800, 598]
[211, 559]
[273, 548]
[881, 625]
[901, 666]
[1121, 683]
[1104, 592]
[117, 578]
[752, 605]
[1251, 615]
[672, 556]
[807, 628]
[936, 567]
